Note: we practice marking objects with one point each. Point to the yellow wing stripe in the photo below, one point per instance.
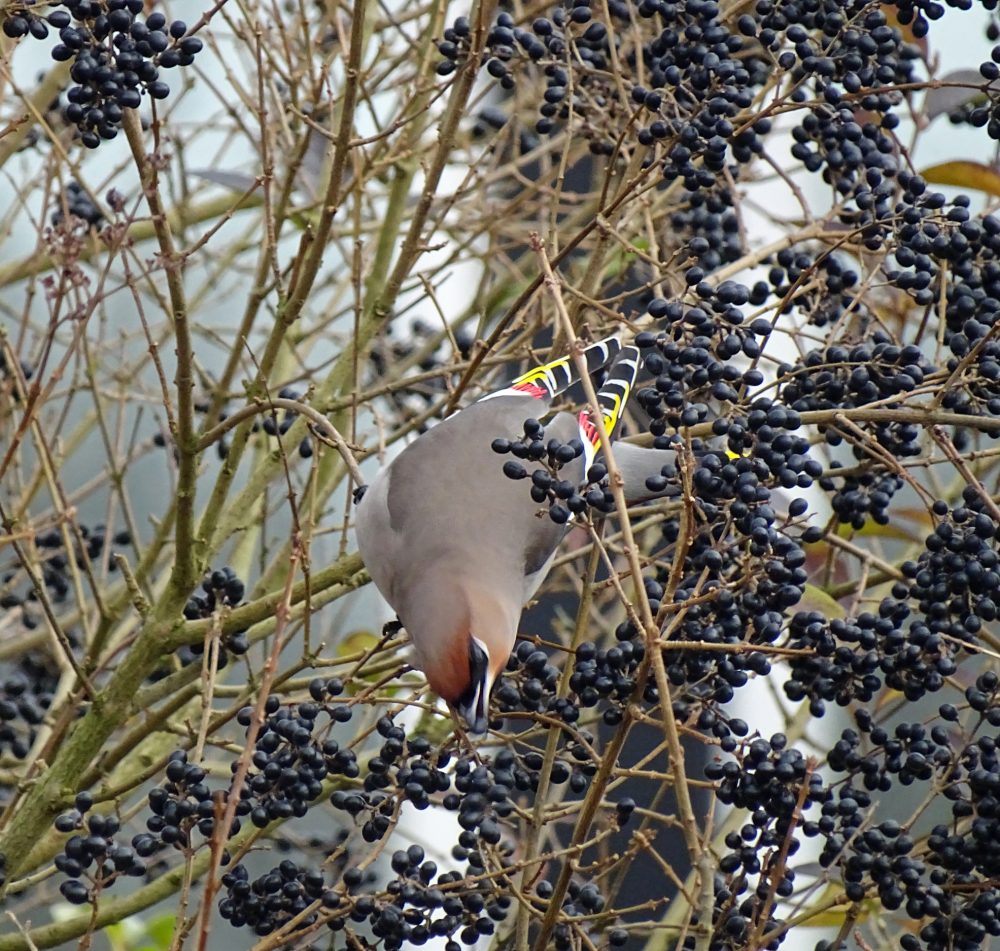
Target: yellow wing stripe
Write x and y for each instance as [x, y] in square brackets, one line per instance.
[611, 399]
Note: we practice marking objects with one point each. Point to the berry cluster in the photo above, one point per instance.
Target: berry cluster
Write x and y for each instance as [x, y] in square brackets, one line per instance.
[607, 676]
[692, 357]
[420, 902]
[567, 31]
[398, 765]
[91, 859]
[846, 377]
[274, 423]
[841, 658]
[270, 901]
[25, 695]
[77, 204]
[953, 589]
[180, 806]
[820, 289]
[418, 346]
[289, 764]
[942, 885]
[983, 110]
[89, 543]
[116, 52]
[842, 377]
[915, 640]
[278, 425]
[774, 784]
[220, 588]
[705, 222]
[563, 496]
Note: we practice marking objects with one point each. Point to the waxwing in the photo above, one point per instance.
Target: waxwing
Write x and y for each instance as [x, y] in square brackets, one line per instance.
[457, 548]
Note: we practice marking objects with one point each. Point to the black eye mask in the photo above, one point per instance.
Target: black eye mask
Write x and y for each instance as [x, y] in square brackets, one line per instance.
[474, 704]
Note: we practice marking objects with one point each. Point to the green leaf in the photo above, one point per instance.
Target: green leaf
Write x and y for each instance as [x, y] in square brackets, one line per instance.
[816, 599]
[116, 937]
[834, 918]
[964, 174]
[161, 930]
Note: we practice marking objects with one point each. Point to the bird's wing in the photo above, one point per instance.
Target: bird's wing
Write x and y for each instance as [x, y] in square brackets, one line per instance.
[611, 400]
[550, 379]
[381, 545]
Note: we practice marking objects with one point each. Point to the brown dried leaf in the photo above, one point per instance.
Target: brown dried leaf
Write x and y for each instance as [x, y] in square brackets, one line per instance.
[965, 174]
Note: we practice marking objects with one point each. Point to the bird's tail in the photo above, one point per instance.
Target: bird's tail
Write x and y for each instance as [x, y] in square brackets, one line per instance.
[547, 381]
[611, 399]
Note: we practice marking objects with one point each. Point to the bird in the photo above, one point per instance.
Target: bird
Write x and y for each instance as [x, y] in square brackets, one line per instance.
[457, 548]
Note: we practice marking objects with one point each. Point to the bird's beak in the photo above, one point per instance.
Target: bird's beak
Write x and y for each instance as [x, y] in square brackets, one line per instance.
[474, 704]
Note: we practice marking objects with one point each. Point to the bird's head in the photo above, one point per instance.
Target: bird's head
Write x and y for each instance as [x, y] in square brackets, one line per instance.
[462, 660]
[465, 677]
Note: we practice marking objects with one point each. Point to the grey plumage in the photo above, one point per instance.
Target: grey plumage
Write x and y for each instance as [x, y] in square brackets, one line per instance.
[637, 465]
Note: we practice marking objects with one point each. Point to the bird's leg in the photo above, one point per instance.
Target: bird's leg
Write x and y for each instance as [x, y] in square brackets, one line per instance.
[391, 628]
